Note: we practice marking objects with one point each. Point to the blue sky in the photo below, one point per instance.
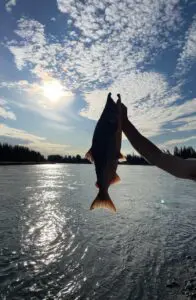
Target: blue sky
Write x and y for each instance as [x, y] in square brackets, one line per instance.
[60, 58]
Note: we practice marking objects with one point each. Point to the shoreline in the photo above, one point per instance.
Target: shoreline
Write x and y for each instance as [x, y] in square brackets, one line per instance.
[10, 163]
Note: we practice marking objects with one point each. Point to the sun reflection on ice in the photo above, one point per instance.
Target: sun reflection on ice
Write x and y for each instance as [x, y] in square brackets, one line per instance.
[45, 219]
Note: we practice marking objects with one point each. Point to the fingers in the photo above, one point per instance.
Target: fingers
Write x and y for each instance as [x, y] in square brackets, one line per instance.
[124, 115]
[124, 108]
[119, 98]
[119, 103]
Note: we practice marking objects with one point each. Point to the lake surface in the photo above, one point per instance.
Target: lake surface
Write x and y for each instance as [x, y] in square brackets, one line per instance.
[53, 247]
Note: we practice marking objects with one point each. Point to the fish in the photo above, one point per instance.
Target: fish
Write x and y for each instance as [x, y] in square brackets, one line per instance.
[105, 151]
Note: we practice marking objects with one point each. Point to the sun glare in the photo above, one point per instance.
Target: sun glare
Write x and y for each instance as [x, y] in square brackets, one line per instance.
[53, 90]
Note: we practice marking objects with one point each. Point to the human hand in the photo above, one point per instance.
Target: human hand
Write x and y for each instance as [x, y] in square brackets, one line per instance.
[124, 115]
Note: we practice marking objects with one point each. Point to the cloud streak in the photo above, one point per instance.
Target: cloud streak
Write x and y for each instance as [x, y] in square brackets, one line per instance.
[5, 111]
[9, 5]
[182, 141]
[188, 54]
[32, 141]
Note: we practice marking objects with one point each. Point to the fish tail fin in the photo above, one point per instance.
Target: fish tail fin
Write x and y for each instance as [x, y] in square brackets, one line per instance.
[103, 200]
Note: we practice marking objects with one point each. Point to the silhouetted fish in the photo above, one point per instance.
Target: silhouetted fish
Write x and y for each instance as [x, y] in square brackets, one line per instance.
[105, 151]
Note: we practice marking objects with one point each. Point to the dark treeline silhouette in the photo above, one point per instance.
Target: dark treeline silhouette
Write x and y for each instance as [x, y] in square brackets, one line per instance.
[134, 160]
[68, 159]
[130, 159]
[185, 152]
[10, 153]
[20, 154]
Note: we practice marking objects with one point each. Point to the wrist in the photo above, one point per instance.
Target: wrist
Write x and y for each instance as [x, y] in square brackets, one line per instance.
[129, 129]
[125, 123]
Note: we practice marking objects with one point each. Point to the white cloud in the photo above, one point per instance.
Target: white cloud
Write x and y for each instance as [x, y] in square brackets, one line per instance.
[181, 141]
[137, 89]
[151, 103]
[31, 33]
[18, 133]
[188, 126]
[6, 114]
[188, 54]
[184, 117]
[117, 37]
[32, 141]
[138, 19]
[59, 126]
[148, 97]
[110, 43]
[5, 111]
[48, 148]
[106, 41]
[9, 5]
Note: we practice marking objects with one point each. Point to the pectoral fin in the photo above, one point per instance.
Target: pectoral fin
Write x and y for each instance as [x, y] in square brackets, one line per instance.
[89, 156]
[121, 157]
[116, 179]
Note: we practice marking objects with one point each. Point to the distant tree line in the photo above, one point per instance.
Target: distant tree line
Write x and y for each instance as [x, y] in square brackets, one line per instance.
[10, 153]
[134, 160]
[185, 152]
[68, 159]
[21, 154]
[131, 159]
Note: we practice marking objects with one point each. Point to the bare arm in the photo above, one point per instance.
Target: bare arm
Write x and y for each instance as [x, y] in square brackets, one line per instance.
[174, 165]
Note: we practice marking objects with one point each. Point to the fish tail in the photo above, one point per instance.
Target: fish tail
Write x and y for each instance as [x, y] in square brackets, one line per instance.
[103, 200]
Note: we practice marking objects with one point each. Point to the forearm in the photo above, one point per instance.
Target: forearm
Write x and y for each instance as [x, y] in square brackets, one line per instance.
[169, 163]
[145, 147]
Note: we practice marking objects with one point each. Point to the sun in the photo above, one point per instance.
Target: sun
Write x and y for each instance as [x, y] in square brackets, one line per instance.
[53, 90]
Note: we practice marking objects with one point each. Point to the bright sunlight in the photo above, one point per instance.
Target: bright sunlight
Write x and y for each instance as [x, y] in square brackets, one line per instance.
[53, 90]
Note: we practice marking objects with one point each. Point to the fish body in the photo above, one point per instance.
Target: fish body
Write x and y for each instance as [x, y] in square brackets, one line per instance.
[105, 151]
